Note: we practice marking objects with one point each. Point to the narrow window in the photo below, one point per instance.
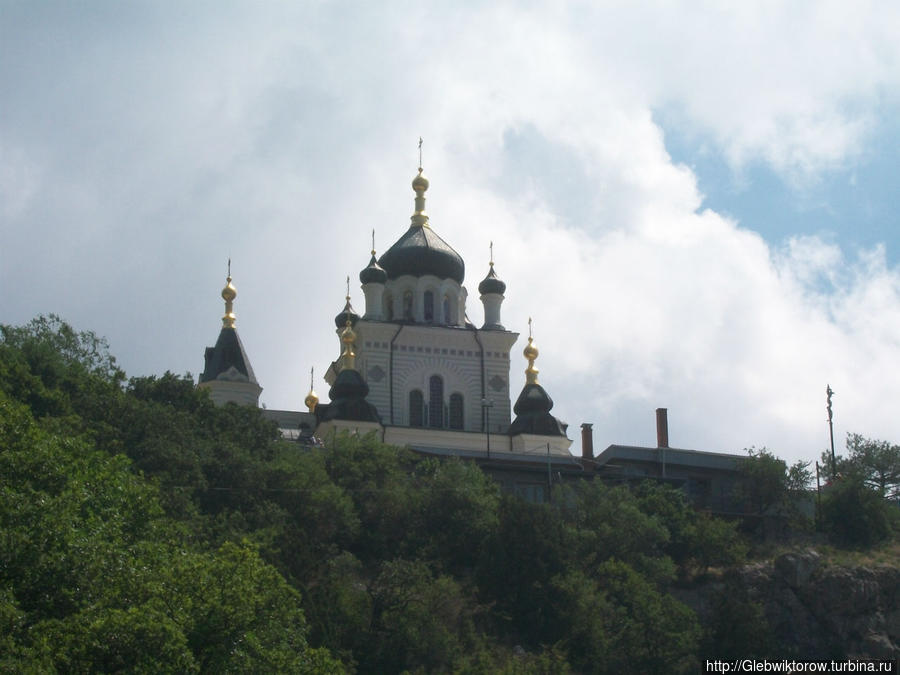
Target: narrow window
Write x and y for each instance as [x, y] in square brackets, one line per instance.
[389, 307]
[436, 401]
[456, 411]
[446, 311]
[429, 306]
[416, 403]
[408, 306]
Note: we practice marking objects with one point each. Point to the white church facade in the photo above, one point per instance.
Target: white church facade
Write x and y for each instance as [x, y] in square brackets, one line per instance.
[417, 372]
[413, 367]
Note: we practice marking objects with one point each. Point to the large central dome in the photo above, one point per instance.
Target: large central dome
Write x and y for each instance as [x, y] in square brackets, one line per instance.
[421, 251]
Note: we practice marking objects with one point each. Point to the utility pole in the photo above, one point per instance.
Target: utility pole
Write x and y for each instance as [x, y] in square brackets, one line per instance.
[549, 476]
[486, 405]
[829, 392]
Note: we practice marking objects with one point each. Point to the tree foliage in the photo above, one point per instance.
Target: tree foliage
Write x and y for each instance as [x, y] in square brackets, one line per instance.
[876, 462]
[773, 494]
[148, 530]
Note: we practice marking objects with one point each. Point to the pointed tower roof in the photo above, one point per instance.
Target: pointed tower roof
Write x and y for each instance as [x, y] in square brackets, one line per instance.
[228, 359]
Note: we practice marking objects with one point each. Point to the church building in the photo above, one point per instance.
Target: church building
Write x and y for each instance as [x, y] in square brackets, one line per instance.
[414, 368]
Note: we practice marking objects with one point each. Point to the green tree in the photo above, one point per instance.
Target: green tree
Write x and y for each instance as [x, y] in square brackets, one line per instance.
[855, 515]
[696, 540]
[615, 621]
[772, 493]
[877, 461]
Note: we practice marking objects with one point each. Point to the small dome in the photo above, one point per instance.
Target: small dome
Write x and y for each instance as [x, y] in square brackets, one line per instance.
[229, 293]
[533, 399]
[491, 283]
[311, 400]
[420, 182]
[373, 273]
[531, 351]
[348, 313]
[348, 385]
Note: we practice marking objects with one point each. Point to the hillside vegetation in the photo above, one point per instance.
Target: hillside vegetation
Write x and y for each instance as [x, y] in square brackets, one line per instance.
[145, 529]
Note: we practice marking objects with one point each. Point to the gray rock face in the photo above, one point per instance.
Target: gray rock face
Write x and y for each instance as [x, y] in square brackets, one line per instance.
[796, 569]
[814, 611]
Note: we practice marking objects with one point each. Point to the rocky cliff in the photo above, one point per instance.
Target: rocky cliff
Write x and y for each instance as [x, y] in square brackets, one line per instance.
[798, 607]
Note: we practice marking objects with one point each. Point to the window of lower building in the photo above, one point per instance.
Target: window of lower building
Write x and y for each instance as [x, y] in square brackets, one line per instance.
[408, 306]
[416, 405]
[429, 306]
[456, 411]
[436, 401]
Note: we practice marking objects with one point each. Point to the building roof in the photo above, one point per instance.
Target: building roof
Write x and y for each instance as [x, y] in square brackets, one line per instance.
[421, 251]
[228, 354]
[348, 400]
[492, 283]
[673, 457]
[533, 416]
[373, 273]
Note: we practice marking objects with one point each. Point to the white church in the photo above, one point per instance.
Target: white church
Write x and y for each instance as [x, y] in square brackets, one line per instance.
[413, 368]
[417, 372]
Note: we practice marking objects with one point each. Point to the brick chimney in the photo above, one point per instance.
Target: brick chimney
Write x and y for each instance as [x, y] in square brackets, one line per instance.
[587, 447]
[662, 428]
[587, 441]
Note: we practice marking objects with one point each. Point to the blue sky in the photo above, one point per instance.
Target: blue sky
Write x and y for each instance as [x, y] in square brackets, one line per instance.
[855, 204]
[695, 201]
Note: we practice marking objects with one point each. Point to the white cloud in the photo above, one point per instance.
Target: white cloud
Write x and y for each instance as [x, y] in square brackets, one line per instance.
[282, 136]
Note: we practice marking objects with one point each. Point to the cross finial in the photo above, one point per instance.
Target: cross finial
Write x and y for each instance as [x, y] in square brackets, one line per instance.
[348, 287]
[311, 378]
[420, 152]
[829, 392]
[229, 267]
[492, 254]
[373, 241]
[529, 327]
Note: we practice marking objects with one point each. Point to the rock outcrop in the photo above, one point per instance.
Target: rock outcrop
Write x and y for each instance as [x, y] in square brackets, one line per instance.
[814, 610]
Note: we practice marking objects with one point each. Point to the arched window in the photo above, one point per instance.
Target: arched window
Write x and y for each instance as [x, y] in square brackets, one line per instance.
[408, 306]
[456, 411]
[416, 404]
[446, 307]
[436, 401]
[389, 307]
[429, 306]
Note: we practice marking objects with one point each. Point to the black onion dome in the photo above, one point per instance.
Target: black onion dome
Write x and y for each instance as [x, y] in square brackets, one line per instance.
[373, 273]
[419, 252]
[492, 284]
[348, 400]
[533, 414]
[348, 385]
[533, 399]
[348, 313]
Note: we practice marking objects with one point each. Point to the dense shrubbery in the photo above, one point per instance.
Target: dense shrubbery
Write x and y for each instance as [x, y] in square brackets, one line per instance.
[146, 529]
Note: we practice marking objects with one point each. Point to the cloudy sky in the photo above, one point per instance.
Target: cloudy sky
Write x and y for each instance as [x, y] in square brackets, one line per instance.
[695, 201]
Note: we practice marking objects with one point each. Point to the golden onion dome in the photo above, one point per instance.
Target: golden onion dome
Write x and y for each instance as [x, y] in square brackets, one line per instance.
[420, 182]
[229, 293]
[531, 351]
[311, 400]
